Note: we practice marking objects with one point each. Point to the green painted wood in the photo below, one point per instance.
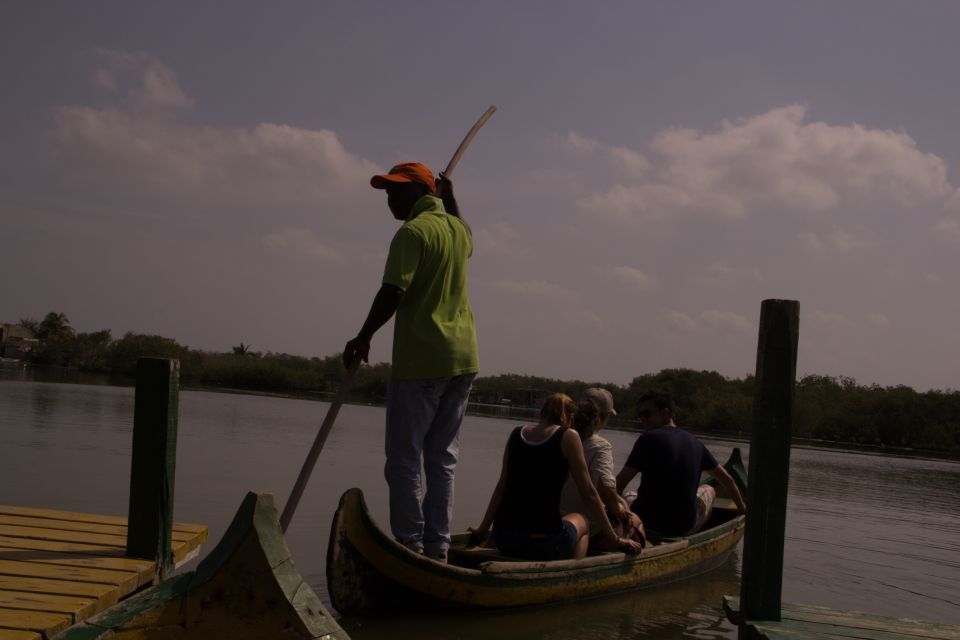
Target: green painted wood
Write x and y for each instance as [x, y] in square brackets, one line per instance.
[769, 469]
[150, 516]
[812, 622]
[252, 559]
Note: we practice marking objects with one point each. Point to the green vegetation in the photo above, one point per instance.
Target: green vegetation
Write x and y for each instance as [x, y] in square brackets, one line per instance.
[830, 409]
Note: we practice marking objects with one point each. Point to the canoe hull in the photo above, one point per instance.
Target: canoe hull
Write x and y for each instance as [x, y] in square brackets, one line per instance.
[247, 587]
[368, 572]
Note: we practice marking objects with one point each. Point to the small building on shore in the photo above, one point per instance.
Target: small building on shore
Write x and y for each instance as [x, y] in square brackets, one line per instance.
[16, 341]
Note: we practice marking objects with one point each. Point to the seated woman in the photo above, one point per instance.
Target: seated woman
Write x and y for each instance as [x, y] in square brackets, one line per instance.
[593, 411]
[525, 506]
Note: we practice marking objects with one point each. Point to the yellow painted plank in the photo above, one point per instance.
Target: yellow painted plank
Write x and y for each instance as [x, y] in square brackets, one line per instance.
[86, 517]
[86, 527]
[59, 535]
[104, 593]
[61, 547]
[125, 581]
[12, 545]
[143, 568]
[78, 608]
[48, 623]
[10, 634]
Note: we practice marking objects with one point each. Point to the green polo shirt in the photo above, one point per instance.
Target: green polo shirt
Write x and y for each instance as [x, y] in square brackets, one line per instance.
[434, 335]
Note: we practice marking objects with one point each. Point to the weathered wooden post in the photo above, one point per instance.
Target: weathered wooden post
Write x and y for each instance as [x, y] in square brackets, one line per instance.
[152, 473]
[769, 470]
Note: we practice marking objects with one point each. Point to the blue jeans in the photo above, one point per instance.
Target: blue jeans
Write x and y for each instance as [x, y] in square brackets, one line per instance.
[423, 431]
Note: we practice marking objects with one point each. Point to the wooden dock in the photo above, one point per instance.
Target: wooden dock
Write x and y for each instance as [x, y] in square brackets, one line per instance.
[806, 621]
[58, 568]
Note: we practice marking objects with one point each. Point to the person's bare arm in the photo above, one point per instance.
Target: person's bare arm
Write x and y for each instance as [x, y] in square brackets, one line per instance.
[730, 486]
[478, 534]
[611, 500]
[573, 451]
[384, 305]
[445, 193]
[625, 476]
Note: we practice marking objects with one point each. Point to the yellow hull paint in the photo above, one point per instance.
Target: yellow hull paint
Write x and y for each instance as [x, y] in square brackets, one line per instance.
[369, 572]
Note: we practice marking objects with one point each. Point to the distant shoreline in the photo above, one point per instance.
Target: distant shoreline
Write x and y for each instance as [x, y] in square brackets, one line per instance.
[511, 413]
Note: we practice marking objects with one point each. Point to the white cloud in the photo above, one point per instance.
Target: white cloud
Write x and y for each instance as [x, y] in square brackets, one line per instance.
[633, 278]
[581, 143]
[840, 240]
[583, 318]
[954, 201]
[711, 319]
[810, 242]
[779, 160]
[949, 227]
[143, 151]
[878, 319]
[499, 239]
[627, 160]
[682, 321]
[726, 320]
[829, 319]
[110, 152]
[721, 274]
[845, 241]
[537, 288]
[301, 243]
[153, 84]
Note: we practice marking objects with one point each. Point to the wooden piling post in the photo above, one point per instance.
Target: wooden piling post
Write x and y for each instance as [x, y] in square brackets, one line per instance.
[769, 469]
[152, 472]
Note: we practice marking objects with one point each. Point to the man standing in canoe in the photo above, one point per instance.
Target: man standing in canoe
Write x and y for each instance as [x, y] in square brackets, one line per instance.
[434, 352]
[671, 501]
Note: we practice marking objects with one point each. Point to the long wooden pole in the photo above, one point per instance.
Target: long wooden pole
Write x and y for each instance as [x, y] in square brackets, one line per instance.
[467, 139]
[318, 443]
[327, 425]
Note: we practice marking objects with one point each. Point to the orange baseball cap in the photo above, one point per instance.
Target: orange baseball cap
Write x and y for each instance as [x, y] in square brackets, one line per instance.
[405, 172]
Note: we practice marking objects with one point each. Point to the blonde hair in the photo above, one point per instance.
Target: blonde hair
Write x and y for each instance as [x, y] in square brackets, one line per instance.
[555, 408]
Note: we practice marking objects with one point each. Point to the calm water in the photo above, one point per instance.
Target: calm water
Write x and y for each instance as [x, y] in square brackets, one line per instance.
[870, 533]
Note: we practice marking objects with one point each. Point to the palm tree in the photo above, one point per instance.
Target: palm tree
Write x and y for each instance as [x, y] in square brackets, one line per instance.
[53, 324]
[241, 349]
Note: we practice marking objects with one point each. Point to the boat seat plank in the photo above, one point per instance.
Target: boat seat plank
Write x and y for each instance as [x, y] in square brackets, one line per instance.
[125, 581]
[77, 607]
[37, 621]
[88, 527]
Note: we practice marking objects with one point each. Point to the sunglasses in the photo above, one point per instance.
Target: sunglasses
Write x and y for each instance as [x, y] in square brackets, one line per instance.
[646, 413]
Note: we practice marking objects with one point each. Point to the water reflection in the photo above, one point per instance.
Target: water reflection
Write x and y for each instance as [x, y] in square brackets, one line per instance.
[864, 532]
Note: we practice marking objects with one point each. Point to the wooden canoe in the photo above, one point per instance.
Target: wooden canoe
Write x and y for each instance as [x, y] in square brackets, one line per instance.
[247, 587]
[370, 573]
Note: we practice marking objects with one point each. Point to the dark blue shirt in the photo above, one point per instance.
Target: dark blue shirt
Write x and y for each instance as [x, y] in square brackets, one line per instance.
[670, 461]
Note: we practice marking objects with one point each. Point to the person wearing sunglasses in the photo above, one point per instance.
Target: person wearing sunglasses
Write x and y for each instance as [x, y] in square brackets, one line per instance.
[671, 501]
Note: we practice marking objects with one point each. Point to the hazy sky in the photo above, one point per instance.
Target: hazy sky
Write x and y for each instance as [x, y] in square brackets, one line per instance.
[655, 170]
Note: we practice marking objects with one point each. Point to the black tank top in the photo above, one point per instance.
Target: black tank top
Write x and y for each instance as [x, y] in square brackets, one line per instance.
[536, 474]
